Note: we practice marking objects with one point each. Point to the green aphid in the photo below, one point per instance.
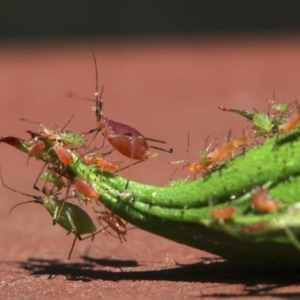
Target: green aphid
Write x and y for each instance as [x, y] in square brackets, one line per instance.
[263, 121]
[69, 216]
[264, 124]
[281, 107]
[52, 177]
[71, 138]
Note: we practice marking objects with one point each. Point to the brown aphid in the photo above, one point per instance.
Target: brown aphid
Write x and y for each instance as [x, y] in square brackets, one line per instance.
[124, 138]
[37, 147]
[114, 222]
[85, 188]
[99, 161]
[262, 202]
[223, 212]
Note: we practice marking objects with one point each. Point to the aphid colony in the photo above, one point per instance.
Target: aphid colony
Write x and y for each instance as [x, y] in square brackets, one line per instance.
[278, 120]
[55, 147]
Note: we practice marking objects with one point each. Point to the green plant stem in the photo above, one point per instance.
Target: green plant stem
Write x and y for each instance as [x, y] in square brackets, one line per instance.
[182, 213]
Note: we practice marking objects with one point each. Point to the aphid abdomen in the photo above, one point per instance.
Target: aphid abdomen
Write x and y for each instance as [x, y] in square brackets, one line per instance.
[127, 140]
[37, 147]
[85, 188]
[72, 217]
[63, 154]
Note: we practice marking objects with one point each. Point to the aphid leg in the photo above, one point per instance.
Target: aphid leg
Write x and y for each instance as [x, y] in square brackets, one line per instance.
[292, 237]
[76, 236]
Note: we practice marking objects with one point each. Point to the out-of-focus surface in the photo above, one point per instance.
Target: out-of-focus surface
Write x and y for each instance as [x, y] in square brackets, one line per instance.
[165, 89]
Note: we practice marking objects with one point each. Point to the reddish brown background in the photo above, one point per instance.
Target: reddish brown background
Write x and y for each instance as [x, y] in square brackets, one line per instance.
[165, 88]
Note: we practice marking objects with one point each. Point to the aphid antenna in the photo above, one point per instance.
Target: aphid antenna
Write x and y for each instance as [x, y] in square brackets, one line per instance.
[30, 121]
[76, 96]
[68, 122]
[38, 199]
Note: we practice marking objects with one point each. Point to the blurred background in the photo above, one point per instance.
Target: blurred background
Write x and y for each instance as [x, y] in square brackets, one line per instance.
[166, 67]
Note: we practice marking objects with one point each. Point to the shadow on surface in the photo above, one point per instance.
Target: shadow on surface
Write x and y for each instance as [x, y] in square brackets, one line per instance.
[256, 281]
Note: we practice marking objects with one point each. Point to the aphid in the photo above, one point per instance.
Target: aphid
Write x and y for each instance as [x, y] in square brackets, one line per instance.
[223, 212]
[124, 138]
[37, 147]
[241, 141]
[58, 134]
[52, 177]
[254, 227]
[86, 189]
[292, 123]
[262, 202]
[264, 124]
[195, 167]
[99, 161]
[114, 222]
[71, 217]
[281, 107]
[63, 154]
[210, 160]
[220, 152]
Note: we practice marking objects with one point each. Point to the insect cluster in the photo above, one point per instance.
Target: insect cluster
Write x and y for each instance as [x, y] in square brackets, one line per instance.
[279, 120]
[60, 149]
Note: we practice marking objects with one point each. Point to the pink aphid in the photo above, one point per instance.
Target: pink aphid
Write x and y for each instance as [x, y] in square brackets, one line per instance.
[223, 212]
[86, 189]
[292, 123]
[262, 202]
[63, 154]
